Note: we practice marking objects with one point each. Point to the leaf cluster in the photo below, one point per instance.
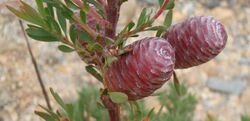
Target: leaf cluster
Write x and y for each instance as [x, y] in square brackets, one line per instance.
[173, 107]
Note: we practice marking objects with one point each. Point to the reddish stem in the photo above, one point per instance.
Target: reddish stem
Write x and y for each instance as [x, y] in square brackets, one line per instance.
[113, 108]
[92, 12]
[85, 27]
[78, 2]
[145, 25]
[113, 10]
[161, 10]
[103, 3]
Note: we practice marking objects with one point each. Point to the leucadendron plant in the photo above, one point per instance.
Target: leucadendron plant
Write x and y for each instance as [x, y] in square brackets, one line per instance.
[128, 73]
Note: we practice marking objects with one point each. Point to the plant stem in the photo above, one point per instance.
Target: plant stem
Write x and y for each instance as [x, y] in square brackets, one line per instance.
[92, 12]
[45, 94]
[113, 11]
[145, 25]
[160, 10]
[113, 108]
[103, 3]
[85, 27]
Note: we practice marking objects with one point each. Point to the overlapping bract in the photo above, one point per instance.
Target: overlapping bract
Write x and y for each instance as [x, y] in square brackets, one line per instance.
[143, 70]
[196, 40]
[151, 63]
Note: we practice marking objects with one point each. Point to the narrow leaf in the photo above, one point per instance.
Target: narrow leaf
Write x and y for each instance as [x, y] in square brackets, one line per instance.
[23, 15]
[168, 18]
[110, 60]
[177, 84]
[49, 10]
[84, 36]
[45, 116]
[151, 112]
[142, 18]
[83, 17]
[70, 4]
[245, 118]
[98, 7]
[131, 25]
[70, 111]
[62, 21]
[92, 47]
[92, 70]
[55, 27]
[27, 9]
[54, 115]
[170, 5]
[40, 7]
[118, 97]
[65, 49]
[40, 34]
[73, 33]
[58, 99]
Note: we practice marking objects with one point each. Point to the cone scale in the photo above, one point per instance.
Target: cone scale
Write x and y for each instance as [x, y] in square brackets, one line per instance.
[143, 70]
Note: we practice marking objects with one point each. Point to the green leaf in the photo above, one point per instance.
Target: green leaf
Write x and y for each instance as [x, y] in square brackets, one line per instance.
[52, 114]
[177, 84]
[128, 27]
[55, 27]
[40, 34]
[170, 5]
[27, 9]
[120, 42]
[58, 99]
[98, 7]
[161, 2]
[58, 4]
[86, 4]
[118, 97]
[40, 7]
[131, 25]
[100, 105]
[135, 35]
[49, 10]
[23, 15]
[159, 32]
[160, 111]
[91, 69]
[142, 18]
[92, 47]
[73, 33]
[78, 111]
[155, 28]
[245, 118]
[45, 116]
[168, 19]
[70, 111]
[83, 17]
[19, 14]
[65, 49]
[150, 113]
[110, 60]
[84, 36]
[70, 4]
[62, 21]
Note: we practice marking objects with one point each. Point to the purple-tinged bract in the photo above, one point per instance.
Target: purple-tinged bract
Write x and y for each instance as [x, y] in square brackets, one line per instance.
[196, 40]
[141, 71]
